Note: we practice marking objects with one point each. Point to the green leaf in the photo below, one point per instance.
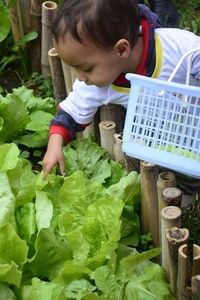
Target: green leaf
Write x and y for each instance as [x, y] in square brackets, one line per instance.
[12, 247]
[6, 293]
[41, 290]
[22, 181]
[4, 22]
[107, 283]
[25, 217]
[26, 38]
[39, 121]
[7, 201]
[51, 253]
[8, 157]
[128, 263]
[44, 210]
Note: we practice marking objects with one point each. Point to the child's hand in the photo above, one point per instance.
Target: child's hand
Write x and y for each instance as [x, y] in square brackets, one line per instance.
[54, 155]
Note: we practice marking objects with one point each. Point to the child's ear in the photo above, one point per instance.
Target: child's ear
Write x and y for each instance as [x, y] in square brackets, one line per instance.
[122, 48]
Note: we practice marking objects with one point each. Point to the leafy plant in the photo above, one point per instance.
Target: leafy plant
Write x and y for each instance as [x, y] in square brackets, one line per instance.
[61, 238]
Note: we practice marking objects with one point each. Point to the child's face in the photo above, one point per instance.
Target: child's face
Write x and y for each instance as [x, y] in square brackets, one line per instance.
[94, 66]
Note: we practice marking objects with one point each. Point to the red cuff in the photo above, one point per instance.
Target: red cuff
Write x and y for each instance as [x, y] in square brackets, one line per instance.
[64, 132]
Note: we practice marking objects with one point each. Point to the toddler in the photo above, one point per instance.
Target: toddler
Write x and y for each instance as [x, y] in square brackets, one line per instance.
[103, 40]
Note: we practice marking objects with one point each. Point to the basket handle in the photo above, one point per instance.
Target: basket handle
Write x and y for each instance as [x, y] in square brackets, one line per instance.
[189, 53]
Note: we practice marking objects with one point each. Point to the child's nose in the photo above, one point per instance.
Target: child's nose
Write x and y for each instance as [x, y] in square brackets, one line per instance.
[81, 76]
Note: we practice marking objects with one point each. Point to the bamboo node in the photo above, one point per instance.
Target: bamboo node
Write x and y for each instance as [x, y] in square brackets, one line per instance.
[171, 212]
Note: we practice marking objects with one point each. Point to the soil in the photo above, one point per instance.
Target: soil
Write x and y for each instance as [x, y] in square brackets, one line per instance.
[10, 80]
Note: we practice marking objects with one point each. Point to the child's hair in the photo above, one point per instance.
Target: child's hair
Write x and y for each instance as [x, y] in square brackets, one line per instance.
[102, 22]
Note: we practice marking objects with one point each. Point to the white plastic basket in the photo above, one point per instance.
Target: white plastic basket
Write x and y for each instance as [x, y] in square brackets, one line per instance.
[162, 123]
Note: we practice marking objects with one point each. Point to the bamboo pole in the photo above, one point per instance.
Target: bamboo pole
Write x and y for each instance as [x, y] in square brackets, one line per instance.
[57, 75]
[184, 274]
[115, 113]
[196, 287]
[118, 153]
[67, 77]
[73, 75]
[184, 291]
[165, 180]
[175, 238]
[48, 16]
[35, 46]
[170, 217]
[149, 203]
[172, 196]
[107, 130]
[196, 260]
[15, 20]
[24, 7]
[131, 163]
[89, 131]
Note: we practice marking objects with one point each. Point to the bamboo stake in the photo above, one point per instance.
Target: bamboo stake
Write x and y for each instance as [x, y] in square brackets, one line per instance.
[196, 287]
[196, 260]
[114, 113]
[107, 130]
[24, 8]
[172, 196]
[131, 163]
[170, 217]
[73, 75]
[67, 77]
[165, 180]
[149, 203]
[57, 75]
[48, 16]
[15, 20]
[175, 238]
[35, 46]
[184, 291]
[184, 276]
[89, 131]
[118, 153]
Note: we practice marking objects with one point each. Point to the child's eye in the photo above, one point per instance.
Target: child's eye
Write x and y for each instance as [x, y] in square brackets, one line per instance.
[88, 69]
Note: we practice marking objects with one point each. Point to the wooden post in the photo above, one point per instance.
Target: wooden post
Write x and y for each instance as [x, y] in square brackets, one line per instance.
[118, 153]
[149, 202]
[184, 290]
[115, 113]
[196, 287]
[89, 131]
[196, 260]
[16, 20]
[170, 217]
[172, 196]
[57, 75]
[67, 76]
[107, 130]
[73, 74]
[35, 46]
[184, 275]
[48, 16]
[175, 238]
[24, 6]
[165, 180]
[132, 164]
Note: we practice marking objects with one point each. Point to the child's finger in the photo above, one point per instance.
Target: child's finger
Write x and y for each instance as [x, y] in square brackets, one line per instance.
[62, 167]
[46, 170]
